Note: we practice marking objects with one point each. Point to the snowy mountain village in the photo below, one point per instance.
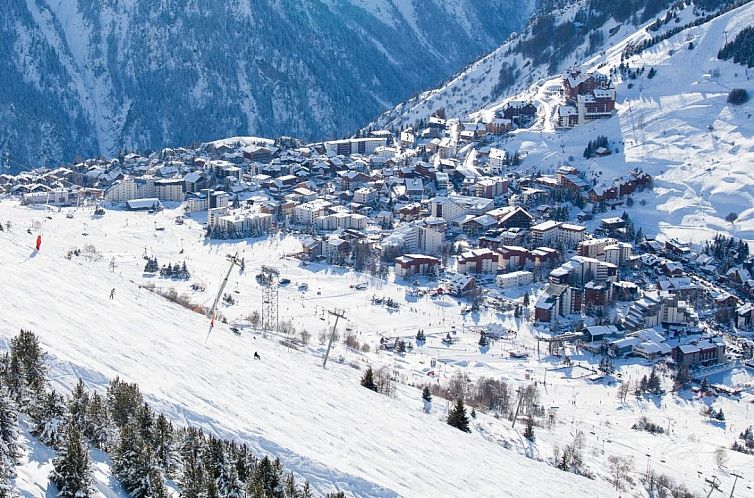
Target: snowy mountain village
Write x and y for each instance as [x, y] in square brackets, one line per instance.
[504, 273]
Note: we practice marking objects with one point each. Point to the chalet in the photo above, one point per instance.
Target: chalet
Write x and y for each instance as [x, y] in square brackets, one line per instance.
[700, 353]
[521, 113]
[602, 193]
[737, 277]
[511, 217]
[611, 225]
[576, 82]
[461, 285]
[745, 316]
[499, 125]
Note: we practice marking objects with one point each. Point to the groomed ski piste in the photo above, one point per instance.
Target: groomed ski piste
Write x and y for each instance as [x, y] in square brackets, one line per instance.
[321, 423]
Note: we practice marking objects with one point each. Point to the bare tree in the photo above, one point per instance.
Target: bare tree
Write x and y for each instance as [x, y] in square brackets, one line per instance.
[620, 468]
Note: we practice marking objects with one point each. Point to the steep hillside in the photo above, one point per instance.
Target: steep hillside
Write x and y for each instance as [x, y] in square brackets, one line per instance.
[320, 422]
[94, 78]
[674, 122]
[560, 34]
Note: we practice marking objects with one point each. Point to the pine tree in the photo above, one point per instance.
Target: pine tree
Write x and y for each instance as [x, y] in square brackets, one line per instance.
[484, 342]
[420, 337]
[306, 491]
[48, 417]
[98, 425]
[78, 405]
[26, 373]
[290, 490]
[266, 480]
[653, 384]
[71, 471]
[457, 417]
[643, 384]
[193, 480]
[427, 399]
[164, 445]
[368, 380]
[123, 400]
[9, 452]
[134, 465]
[529, 429]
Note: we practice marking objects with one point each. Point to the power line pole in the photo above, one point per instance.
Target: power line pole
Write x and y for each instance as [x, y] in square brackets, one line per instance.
[714, 485]
[734, 482]
[338, 315]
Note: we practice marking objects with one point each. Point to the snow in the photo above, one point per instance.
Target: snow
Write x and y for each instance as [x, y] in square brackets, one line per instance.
[677, 127]
[322, 424]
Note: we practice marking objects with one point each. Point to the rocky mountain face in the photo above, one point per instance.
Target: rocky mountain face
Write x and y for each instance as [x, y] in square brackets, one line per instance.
[90, 77]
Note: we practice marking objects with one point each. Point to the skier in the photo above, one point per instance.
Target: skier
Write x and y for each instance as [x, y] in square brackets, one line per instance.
[112, 293]
[39, 242]
[256, 356]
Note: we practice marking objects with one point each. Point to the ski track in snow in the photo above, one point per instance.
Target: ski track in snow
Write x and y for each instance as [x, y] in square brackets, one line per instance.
[321, 423]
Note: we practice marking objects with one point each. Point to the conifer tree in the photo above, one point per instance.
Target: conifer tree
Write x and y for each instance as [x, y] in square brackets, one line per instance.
[8, 442]
[134, 465]
[123, 400]
[27, 370]
[266, 480]
[306, 491]
[78, 405]
[48, 417]
[368, 380]
[71, 471]
[427, 399]
[98, 425]
[193, 478]
[164, 445]
[529, 429]
[457, 417]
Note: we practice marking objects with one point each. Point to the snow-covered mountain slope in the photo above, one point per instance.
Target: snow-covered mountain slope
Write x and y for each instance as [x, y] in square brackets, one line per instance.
[322, 424]
[677, 126]
[35, 465]
[92, 77]
[557, 36]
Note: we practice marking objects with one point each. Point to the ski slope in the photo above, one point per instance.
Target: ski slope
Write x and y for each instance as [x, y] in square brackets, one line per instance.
[676, 126]
[322, 424]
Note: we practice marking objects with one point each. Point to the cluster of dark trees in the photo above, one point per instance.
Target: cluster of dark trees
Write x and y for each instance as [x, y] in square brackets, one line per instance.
[177, 270]
[145, 447]
[727, 250]
[643, 424]
[738, 96]
[649, 384]
[593, 145]
[746, 444]
[717, 7]
[217, 233]
[740, 49]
